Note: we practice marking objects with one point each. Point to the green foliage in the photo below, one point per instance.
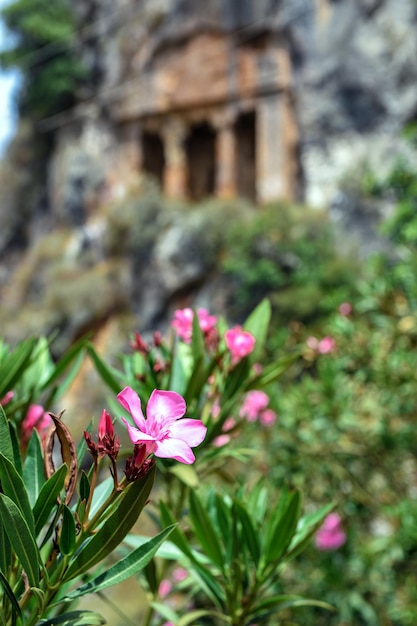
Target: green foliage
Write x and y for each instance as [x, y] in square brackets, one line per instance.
[286, 253]
[43, 49]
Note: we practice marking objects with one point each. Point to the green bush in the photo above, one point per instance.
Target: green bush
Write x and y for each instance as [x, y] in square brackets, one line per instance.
[42, 48]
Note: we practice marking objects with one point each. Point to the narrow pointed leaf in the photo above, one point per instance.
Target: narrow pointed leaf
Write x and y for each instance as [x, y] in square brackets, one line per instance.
[177, 537]
[192, 616]
[205, 531]
[14, 488]
[289, 601]
[74, 618]
[109, 376]
[33, 468]
[124, 569]
[257, 324]
[307, 526]
[5, 549]
[21, 539]
[249, 534]
[5, 438]
[197, 340]
[282, 526]
[9, 593]
[115, 528]
[75, 353]
[17, 459]
[84, 486]
[47, 499]
[67, 536]
[15, 364]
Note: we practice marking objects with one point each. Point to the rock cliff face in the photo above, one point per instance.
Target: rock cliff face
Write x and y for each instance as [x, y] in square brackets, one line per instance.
[268, 99]
[265, 100]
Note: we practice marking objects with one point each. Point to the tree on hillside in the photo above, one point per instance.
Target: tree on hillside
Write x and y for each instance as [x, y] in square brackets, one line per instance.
[42, 47]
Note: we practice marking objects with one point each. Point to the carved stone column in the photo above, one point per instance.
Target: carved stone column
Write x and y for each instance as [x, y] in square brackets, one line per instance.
[175, 174]
[225, 160]
[276, 147]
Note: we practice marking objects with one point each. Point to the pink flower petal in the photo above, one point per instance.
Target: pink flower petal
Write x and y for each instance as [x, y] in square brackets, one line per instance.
[165, 407]
[130, 401]
[189, 430]
[137, 436]
[174, 449]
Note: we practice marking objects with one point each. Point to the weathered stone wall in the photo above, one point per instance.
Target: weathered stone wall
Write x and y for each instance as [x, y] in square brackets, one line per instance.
[330, 84]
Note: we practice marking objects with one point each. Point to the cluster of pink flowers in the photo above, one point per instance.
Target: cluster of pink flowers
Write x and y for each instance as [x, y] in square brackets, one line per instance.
[36, 418]
[322, 346]
[330, 535]
[239, 342]
[183, 323]
[7, 398]
[345, 309]
[162, 433]
[255, 407]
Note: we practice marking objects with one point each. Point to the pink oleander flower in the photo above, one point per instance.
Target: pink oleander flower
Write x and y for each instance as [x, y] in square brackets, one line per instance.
[330, 535]
[326, 345]
[312, 343]
[163, 432]
[35, 418]
[7, 398]
[165, 588]
[345, 309]
[254, 402]
[240, 343]
[221, 440]
[179, 574]
[183, 322]
[268, 417]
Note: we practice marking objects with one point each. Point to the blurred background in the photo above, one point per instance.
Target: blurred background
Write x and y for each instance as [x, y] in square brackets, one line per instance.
[157, 154]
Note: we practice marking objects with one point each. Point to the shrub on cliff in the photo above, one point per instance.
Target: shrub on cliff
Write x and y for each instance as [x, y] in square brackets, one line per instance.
[42, 48]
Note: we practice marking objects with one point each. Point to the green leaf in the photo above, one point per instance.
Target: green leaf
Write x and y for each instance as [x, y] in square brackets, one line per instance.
[177, 536]
[110, 377]
[151, 576]
[5, 549]
[47, 498]
[178, 380]
[13, 487]
[307, 526]
[21, 539]
[74, 618]
[186, 473]
[257, 324]
[124, 569]
[197, 342]
[84, 486]
[205, 531]
[249, 535]
[101, 493]
[15, 364]
[5, 438]
[288, 602]
[282, 526]
[9, 593]
[165, 611]
[115, 528]
[75, 351]
[197, 380]
[16, 448]
[67, 536]
[192, 616]
[273, 372]
[33, 468]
